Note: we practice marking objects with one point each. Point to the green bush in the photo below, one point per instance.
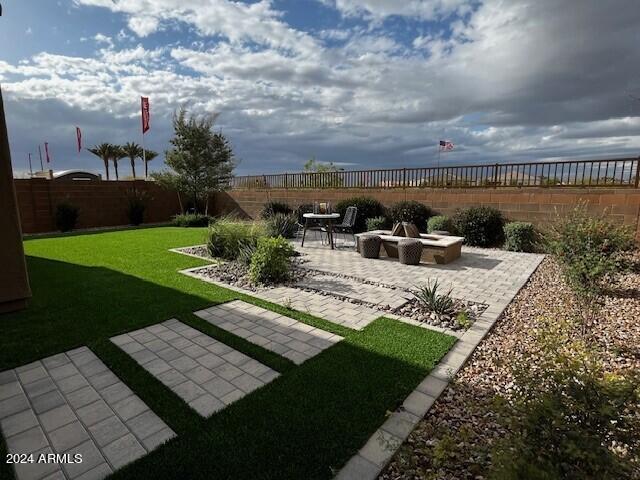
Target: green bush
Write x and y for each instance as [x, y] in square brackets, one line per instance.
[281, 225]
[589, 248]
[191, 220]
[271, 261]
[66, 216]
[377, 223]
[136, 206]
[480, 226]
[412, 212]
[227, 236]
[568, 417]
[519, 237]
[367, 208]
[273, 208]
[439, 222]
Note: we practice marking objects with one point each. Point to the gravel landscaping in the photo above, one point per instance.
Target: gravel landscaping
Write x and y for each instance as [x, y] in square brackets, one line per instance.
[455, 439]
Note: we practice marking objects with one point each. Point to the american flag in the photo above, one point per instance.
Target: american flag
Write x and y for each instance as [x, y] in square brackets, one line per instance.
[445, 145]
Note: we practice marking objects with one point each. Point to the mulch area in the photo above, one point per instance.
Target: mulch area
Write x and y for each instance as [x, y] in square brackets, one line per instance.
[454, 440]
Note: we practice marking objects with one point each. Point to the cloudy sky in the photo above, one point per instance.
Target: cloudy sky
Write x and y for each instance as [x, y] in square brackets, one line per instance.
[362, 83]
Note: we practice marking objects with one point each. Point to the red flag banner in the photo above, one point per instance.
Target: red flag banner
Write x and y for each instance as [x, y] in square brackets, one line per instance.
[79, 138]
[145, 113]
[46, 151]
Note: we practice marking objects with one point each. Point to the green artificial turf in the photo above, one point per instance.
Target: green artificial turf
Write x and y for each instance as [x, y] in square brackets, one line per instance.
[305, 424]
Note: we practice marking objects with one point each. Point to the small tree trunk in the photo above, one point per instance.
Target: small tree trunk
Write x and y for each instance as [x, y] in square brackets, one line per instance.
[146, 171]
[206, 205]
[115, 165]
[106, 167]
[133, 167]
[180, 202]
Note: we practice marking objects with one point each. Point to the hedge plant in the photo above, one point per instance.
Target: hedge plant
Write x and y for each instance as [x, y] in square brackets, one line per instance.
[191, 220]
[439, 222]
[412, 212]
[66, 216]
[226, 237]
[271, 261]
[480, 226]
[519, 237]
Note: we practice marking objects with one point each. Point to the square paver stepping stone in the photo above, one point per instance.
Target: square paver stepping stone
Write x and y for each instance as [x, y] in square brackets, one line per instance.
[205, 373]
[267, 329]
[72, 403]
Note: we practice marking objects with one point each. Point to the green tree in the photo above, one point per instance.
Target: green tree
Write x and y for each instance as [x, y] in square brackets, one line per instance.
[328, 177]
[103, 151]
[133, 151]
[201, 160]
[313, 166]
[116, 153]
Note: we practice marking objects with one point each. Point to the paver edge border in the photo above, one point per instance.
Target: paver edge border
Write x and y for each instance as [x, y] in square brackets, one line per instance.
[380, 448]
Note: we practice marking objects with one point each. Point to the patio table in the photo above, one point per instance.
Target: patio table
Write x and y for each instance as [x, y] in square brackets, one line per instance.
[326, 218]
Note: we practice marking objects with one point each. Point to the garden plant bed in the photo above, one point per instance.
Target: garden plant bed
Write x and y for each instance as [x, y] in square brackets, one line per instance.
[455, 439]
[390, 299]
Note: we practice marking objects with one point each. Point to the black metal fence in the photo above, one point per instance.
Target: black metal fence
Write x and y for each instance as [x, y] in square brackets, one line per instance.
[621, 172]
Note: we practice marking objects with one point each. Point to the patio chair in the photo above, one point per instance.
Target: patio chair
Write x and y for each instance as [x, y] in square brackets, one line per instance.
[348, 223]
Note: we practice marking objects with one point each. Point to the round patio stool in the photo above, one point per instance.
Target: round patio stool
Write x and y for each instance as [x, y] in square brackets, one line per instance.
[409, 251]
[370, 246]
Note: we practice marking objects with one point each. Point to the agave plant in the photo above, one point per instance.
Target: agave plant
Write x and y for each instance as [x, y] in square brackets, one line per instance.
[427, 294]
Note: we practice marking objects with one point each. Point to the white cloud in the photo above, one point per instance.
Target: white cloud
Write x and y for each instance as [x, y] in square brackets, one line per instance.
[381, 9]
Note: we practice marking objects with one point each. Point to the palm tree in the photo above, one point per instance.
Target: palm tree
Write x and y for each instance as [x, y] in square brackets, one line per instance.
[116, 154]
[103, 151]
[148, 156]
[133, 151]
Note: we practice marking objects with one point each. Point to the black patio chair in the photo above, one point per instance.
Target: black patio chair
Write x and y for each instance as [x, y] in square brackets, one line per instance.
[348, 223]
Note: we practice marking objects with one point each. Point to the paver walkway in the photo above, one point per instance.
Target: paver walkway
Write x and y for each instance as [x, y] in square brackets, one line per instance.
[72, 403]
[205, 373]
[285, 336]
[355, 289]
[480, 275]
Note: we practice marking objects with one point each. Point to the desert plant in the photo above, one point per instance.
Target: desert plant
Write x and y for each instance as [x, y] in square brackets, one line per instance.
[480, 226]
[281, 225]
[367, 208]
[463, 319]
[191, 220]
[427, 294]
[103, 151]
[271, 261]
[439, 222]
[226, 236]
[590, 249]
[568, 418]
[272, 208]
[412, 212]
[66, 216]
[377, 223]
[520, 237]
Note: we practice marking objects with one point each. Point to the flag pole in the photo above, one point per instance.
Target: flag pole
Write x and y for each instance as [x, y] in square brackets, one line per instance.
[30, 167]
[40, 153]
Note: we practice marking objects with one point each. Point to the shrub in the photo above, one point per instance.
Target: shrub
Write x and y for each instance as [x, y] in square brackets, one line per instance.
[271, 261]
[439, 222]
[282, 225]
[66, 216]
[245, 253]
[567, 417]
[428, 295]
[410, 211]
[191, 220]
[377, 223]
[480, 226]
[589, 248]
[227, 236]
[136, 206]
[273, 208]
[367, 208]
[519, 237]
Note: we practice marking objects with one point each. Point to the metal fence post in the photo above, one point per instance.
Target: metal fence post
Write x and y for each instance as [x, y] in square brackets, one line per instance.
[495, 176]
[637, 161]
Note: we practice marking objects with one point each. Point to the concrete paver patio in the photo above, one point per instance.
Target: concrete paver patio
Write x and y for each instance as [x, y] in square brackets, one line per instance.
[71, 403]
[285, 336]
[204, 372]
